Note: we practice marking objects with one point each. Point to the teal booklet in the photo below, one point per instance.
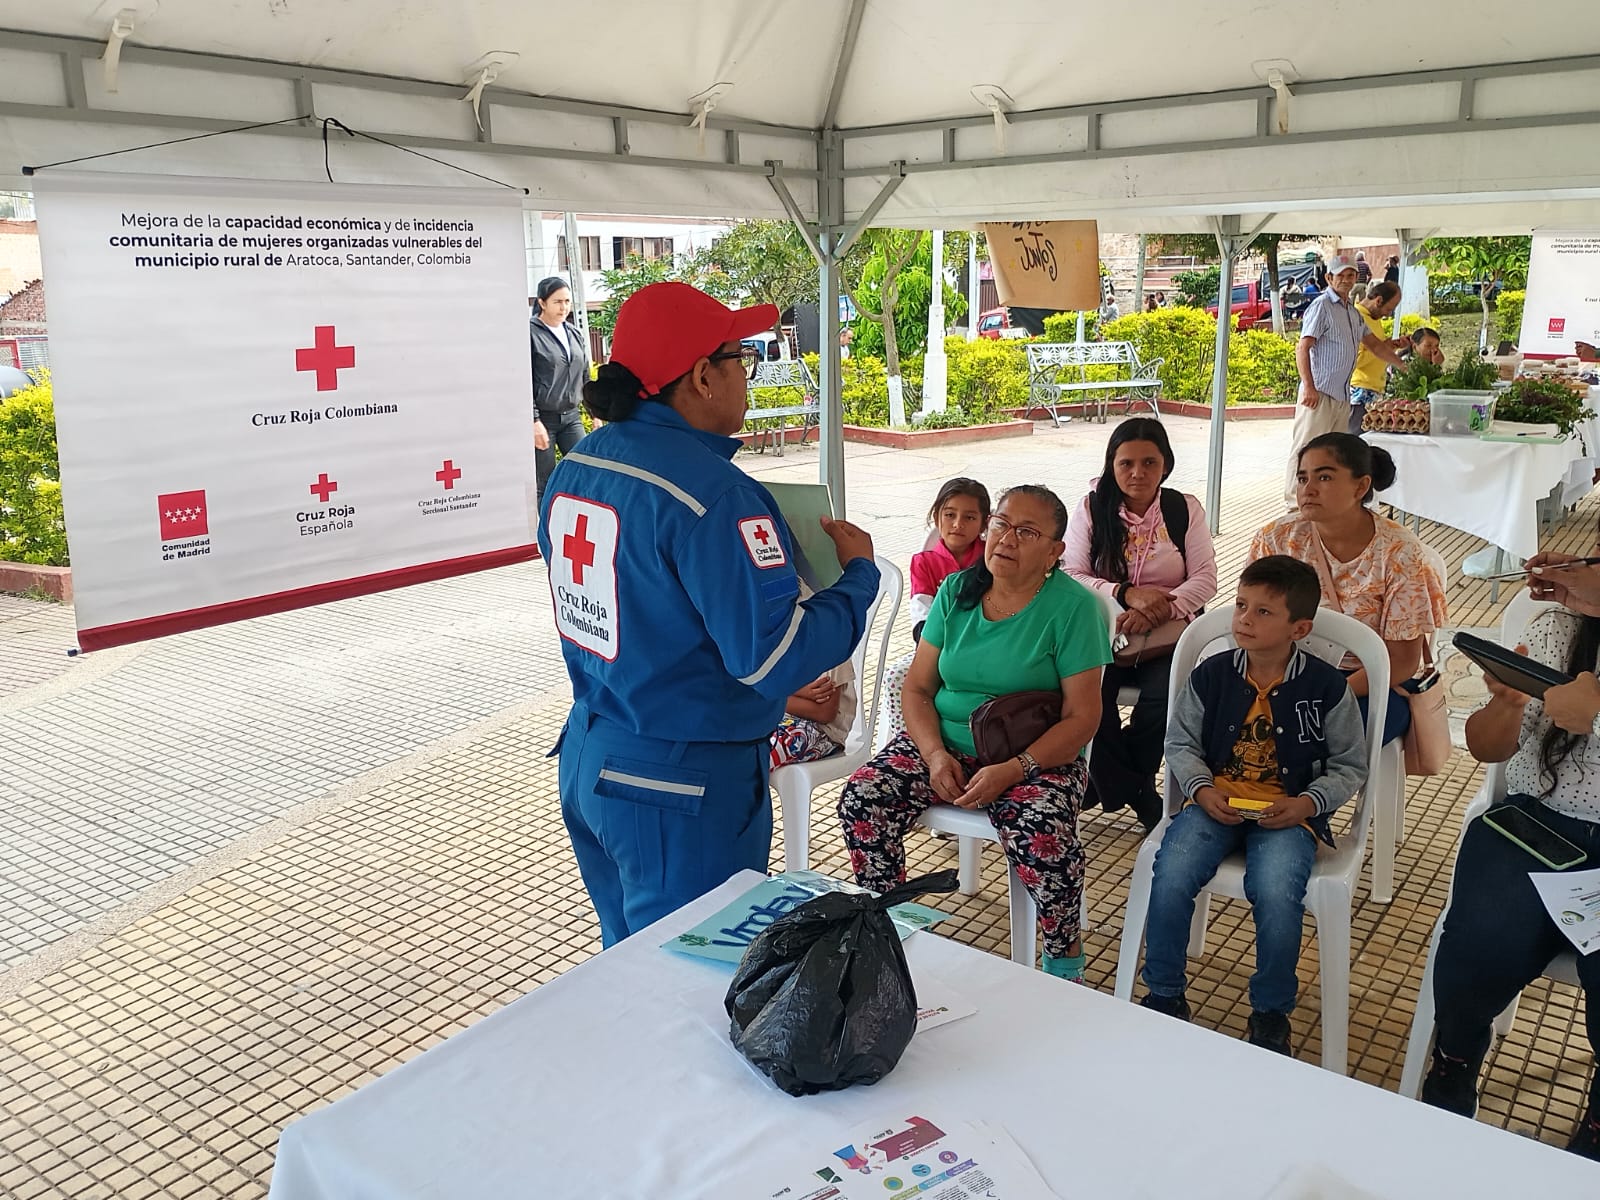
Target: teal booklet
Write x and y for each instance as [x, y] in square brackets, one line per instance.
[803, 506]
[725, 936]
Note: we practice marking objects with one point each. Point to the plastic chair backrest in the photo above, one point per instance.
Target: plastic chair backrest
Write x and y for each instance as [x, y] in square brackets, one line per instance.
[1519, 614]
[1335, 627]
[891, 585]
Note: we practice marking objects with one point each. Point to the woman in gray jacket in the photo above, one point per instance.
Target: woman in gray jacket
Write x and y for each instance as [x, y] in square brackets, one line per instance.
[560, 369]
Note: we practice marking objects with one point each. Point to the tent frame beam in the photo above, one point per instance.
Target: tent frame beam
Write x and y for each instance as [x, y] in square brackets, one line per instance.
[1257, 93]
[841, 70]
[620, 121]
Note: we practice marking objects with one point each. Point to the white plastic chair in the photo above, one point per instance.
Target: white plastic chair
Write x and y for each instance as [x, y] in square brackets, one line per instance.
[796, 782]
[1389, 816]
[1563, 968]
[1330, 892]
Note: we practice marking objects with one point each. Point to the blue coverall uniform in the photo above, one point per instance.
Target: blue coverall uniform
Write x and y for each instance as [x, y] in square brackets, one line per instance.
[676, 598]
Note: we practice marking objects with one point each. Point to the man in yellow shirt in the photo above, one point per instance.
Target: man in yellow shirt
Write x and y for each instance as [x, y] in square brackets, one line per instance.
[1368, 378]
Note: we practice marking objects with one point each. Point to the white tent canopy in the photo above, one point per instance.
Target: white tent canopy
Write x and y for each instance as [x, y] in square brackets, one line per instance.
[1348, 116]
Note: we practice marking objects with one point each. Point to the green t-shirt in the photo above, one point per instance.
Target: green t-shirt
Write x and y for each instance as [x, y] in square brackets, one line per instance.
[1061, 631]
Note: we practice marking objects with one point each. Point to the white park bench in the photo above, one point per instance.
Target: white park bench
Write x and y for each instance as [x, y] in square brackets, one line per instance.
[1058, 371]
[781, 382]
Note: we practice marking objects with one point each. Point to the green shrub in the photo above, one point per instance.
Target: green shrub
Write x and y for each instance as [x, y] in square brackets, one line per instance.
[987, 377]
[1508, 309]
[1184, 337]
[32, 529]
[1410, 323]
[951, 418]
[864, 390]
[1261, 368]
[1198, 288]
[1063, 327]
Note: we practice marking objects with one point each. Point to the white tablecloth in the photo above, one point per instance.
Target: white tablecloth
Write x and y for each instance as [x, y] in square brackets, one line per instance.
[617, 1080]
[1491, 489]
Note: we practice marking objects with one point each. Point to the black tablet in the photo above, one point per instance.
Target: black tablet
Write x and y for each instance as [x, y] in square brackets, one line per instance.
[1527, 675]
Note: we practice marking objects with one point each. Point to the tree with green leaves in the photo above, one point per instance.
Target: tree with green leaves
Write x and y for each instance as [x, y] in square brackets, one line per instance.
[872, 279]
[1484, 261]
[765, 262]
[622, 282]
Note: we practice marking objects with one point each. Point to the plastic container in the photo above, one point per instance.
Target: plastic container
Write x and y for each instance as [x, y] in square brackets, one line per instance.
[1459, 414]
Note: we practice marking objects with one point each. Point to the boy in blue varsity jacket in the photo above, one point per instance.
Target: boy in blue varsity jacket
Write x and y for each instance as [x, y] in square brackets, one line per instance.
[1264, 743]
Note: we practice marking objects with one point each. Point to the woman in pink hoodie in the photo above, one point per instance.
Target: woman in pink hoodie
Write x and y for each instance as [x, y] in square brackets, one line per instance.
[1146, 550]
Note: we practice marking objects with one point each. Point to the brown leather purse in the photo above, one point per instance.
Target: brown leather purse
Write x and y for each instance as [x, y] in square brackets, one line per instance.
[1004, 727]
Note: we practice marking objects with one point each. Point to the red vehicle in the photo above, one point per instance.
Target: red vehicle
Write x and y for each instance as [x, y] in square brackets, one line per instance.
[1251, 304]
[995, 323]
[999, 323]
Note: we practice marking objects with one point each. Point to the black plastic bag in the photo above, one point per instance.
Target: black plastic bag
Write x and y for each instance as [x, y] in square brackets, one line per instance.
[823, 998]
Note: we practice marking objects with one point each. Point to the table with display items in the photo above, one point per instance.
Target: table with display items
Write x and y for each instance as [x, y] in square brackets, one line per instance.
[617, 1079]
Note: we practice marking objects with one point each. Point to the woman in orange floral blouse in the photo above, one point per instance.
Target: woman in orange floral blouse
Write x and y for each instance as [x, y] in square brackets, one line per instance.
[1370, 568]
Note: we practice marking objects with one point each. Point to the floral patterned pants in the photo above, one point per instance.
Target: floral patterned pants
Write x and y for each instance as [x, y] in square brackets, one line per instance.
[1037, 822]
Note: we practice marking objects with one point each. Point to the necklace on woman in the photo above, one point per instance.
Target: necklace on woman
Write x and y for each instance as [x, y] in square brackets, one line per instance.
[1003, 614]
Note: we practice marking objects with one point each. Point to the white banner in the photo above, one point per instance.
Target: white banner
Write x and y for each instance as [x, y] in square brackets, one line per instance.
[276, 394]
[1563, 302]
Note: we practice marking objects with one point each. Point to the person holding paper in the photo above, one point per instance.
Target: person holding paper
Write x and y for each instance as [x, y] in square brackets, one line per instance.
[1012, 624]
[676, 598]
[1498, 936]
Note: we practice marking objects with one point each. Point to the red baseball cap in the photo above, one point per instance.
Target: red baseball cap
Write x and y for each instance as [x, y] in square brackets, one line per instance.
[664, 329]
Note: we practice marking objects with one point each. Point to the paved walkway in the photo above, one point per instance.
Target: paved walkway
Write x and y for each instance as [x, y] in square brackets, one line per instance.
[245, 870]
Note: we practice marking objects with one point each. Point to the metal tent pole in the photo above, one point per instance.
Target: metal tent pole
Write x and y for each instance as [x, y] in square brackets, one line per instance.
[580, 310]
[829, 241]
[974, 290]
[1138, 274]
[1227, 234]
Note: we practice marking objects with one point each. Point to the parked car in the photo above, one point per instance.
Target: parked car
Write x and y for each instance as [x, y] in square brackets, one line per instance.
[996, 324]
[1251, 304]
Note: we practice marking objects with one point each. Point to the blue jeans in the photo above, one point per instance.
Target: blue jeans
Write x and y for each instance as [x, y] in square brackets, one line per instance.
[1359, 399]
[1277, 865]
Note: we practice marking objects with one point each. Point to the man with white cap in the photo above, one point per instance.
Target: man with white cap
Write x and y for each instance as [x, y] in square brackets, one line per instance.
[1330, 337]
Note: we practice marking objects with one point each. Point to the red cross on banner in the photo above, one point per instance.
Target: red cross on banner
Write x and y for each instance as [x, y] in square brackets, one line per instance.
[325, 358]
[448, 475]
[324, 487]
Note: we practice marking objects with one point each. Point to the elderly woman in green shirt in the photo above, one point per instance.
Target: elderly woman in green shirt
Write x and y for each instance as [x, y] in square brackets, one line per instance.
[1013, 623]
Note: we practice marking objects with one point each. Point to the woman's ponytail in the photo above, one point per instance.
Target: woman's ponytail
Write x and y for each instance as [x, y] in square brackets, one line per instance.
[614, 394]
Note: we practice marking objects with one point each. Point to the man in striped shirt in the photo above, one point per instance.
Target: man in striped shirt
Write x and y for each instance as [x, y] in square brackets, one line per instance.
[1330, 337]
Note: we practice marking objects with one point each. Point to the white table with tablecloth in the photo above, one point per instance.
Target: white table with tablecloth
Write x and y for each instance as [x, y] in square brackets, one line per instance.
[1491, 489]
[617, 1080]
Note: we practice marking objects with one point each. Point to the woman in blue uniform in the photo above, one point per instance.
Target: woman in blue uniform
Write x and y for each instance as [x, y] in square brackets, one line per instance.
[672, 574]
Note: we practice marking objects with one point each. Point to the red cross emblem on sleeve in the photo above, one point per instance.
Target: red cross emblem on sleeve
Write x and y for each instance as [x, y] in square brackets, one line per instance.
[762, 543]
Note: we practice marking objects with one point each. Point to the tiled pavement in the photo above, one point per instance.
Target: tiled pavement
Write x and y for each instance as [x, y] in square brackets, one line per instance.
[245, 870]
